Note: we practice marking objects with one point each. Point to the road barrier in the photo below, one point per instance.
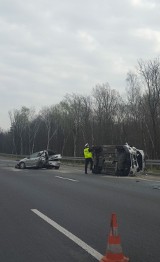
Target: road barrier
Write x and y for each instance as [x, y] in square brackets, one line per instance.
[12, 156]
[80, 160]
[152, 163]
[148, 162]
[73, 160]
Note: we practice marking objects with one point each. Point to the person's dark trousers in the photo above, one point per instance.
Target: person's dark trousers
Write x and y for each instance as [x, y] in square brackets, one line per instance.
[87, 161]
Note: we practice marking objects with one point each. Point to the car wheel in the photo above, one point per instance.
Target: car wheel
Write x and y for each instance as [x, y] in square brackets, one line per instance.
[22, 165]
[56, 167]
[40, 165]
[49, 167]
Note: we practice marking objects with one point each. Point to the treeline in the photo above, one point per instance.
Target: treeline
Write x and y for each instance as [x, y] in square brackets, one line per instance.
[104, 117]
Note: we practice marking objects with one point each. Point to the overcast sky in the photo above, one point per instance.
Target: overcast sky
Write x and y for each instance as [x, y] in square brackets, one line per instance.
[52, 47]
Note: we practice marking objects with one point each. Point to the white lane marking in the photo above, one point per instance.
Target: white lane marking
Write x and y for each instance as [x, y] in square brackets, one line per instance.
[132, 178]
[12, 169]
[66, 178]
[144, 179]
[150, 180]
[68, 234]
[64, 171]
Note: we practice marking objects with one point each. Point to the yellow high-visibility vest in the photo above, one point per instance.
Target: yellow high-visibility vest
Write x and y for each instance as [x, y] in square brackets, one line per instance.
[87, 153]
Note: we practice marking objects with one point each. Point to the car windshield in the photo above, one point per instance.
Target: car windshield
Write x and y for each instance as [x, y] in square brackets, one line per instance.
[35, 155]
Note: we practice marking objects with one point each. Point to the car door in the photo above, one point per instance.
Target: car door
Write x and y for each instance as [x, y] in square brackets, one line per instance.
[33, 160]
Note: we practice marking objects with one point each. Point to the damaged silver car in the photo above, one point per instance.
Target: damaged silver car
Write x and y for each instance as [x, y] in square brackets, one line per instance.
[41, 159]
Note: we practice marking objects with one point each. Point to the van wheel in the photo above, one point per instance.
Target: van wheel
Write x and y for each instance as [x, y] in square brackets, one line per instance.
[56, 167]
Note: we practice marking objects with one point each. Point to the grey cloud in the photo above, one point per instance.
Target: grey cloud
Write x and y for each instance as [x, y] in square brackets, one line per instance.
[53, 47]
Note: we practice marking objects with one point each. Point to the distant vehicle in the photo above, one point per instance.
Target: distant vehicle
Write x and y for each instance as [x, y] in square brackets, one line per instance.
[119, 160]
[41, 159]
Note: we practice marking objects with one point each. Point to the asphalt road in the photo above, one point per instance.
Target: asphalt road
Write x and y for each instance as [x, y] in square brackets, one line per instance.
[64, 215]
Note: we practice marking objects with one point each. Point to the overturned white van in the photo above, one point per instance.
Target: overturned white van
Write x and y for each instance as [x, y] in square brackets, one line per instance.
[119, 160]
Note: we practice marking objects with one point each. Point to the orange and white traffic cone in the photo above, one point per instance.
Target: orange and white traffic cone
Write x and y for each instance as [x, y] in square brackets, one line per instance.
[114, 250]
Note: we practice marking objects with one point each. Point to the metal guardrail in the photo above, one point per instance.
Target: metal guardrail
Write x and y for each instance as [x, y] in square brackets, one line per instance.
[12, 156]
[148, 162]
[70, 158]
[152, 162]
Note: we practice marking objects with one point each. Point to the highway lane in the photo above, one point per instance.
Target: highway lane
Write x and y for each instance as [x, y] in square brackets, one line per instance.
[82, 204]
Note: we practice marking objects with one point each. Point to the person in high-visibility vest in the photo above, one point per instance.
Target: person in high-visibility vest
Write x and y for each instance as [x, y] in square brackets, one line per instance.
[88, 157]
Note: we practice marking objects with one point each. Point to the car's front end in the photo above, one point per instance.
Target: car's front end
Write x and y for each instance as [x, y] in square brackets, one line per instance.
[20, 163]
[54, 161]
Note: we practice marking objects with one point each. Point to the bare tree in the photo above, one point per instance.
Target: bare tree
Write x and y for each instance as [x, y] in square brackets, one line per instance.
[133, 112]
[47, 117]
[12, 130]
[150, 73]
[24, 129]
[34, 126]
[105, 110]
[19, 123]
[86, 122]
[64, 124]
[72, 104]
